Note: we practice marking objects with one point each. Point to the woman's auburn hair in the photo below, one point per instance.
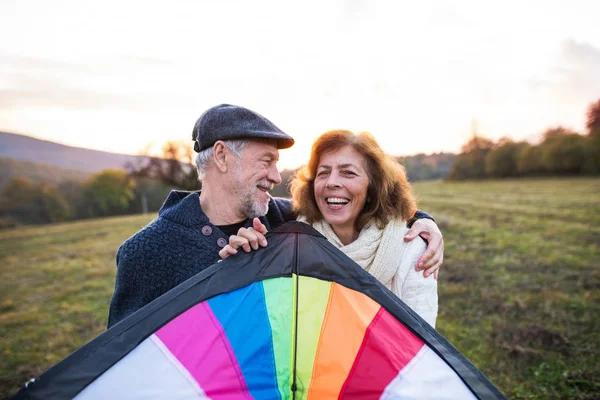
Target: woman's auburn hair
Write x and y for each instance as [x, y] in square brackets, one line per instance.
[389, 194]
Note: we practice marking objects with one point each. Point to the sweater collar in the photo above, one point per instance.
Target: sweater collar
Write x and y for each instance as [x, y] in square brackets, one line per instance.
[378, 251]
[184, 208]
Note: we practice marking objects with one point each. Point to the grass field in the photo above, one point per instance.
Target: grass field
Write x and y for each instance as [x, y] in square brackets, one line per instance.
[519, 289]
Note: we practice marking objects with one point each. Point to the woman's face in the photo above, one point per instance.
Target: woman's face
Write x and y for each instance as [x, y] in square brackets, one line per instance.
[340, 185]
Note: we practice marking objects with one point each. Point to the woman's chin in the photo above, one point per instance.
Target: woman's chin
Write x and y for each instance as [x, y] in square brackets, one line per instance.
[337, 222]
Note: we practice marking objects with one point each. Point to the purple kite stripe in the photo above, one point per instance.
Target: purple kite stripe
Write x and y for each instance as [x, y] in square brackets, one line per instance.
[197, 340]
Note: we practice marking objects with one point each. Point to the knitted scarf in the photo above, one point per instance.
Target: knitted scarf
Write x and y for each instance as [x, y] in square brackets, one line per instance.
[377, 251]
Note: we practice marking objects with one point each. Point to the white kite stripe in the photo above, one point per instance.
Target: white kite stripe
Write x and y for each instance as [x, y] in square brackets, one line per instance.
[145, 373]
[175, 362]
[426, 376]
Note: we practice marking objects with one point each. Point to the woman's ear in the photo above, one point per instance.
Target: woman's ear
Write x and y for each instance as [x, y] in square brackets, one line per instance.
[220, 155]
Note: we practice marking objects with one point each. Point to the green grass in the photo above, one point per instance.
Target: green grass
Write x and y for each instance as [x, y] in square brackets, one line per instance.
[55, 286]
[519, 289]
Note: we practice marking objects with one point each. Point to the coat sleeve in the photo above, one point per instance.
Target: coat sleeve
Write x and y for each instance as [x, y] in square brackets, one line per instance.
[418, 292]
[128, 296]
[419, 215]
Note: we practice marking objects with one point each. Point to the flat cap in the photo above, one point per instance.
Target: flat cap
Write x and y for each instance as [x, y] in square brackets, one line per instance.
[228, 122]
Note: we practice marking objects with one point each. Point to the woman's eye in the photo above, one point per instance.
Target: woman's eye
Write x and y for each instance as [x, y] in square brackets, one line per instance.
[348, 172]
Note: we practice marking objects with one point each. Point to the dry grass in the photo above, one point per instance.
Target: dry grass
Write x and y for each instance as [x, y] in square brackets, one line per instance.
[519, 289]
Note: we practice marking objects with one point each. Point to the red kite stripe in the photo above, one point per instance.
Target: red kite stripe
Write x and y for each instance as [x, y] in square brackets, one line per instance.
[388, 347]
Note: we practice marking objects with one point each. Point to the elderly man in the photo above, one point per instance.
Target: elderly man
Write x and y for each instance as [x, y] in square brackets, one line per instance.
[237, 165]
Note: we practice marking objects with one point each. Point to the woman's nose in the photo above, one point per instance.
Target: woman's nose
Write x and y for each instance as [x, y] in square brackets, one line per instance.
[332, 182]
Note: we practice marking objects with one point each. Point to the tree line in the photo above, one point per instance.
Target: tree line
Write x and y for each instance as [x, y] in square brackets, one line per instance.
[138, 188]
[561, 152]
[108, 193]
[142, 187]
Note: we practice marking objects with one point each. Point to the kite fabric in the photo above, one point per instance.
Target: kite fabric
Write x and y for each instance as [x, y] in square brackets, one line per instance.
[295, 320]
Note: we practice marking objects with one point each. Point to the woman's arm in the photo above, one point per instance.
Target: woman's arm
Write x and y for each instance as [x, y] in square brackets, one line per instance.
[418, 292]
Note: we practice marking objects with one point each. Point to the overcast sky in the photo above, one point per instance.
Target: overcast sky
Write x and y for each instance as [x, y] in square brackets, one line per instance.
[116, 75]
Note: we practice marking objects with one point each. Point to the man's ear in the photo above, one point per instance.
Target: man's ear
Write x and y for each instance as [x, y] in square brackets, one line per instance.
[221, 155]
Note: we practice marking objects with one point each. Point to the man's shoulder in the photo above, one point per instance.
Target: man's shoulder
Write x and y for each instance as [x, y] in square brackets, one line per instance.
[280, 211]
[281, 203]
[151, 233]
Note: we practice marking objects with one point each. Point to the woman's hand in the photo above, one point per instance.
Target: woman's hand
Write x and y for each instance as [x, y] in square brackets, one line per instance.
[246, 238]
[433, 257]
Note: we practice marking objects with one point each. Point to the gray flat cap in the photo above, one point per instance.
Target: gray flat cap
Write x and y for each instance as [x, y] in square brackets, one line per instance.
[227, 122]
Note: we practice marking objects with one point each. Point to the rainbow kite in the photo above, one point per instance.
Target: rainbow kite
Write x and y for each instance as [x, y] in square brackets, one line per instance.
[297, 320]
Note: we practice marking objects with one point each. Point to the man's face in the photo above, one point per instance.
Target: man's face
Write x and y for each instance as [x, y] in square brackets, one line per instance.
[254, 174]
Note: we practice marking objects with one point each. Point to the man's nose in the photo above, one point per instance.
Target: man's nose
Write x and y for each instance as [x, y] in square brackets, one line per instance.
[274, 175]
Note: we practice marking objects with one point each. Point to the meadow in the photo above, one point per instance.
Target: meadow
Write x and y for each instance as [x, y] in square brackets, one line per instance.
[519, 288]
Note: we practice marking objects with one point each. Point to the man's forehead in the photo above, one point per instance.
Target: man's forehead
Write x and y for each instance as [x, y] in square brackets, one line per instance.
[263, 147]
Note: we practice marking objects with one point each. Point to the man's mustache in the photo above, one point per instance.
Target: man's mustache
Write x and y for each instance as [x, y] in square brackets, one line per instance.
[266, 185]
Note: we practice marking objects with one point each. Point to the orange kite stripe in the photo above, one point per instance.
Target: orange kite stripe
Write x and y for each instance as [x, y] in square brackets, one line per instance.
[348, 315]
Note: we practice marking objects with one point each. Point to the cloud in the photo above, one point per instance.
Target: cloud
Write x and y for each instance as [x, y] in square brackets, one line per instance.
[30, 82]
[575, 75]
[580, 64]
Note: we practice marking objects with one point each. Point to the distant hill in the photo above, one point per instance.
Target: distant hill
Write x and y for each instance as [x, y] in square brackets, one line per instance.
[73, 162]
[25, 148]
[36, 172]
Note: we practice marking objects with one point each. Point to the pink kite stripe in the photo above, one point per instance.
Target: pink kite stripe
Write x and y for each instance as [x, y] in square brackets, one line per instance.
[197, 340]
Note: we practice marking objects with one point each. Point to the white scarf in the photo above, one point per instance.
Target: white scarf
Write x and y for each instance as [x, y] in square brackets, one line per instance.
[377, 251]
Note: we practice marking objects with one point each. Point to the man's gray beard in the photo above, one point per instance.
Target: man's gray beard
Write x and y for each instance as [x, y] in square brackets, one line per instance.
[251, 208]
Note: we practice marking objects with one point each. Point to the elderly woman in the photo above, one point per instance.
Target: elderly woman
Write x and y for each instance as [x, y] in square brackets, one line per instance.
[360, 199]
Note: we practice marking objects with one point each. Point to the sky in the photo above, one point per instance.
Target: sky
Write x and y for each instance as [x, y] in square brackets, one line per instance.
[118, 75]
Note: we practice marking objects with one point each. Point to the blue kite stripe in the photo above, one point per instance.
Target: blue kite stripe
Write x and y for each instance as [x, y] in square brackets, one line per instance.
[244, 318]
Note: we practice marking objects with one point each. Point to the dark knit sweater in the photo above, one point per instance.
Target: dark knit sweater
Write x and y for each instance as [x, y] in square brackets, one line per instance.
[175, 246]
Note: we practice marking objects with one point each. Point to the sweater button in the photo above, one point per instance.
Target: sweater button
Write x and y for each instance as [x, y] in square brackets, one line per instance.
[221, 242]
[206, 230]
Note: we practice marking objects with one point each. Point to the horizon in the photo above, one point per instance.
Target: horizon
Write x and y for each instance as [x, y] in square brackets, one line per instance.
[291, 168]
[422, 78]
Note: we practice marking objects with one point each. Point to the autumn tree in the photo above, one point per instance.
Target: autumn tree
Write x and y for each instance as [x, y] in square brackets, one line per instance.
[174, 167]
[501, 160]
[470, 164]
[32, 203]
[149, 195]
[529, 160]
[593, 119]
[110, 192]
[562, 151]
[592, 144]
